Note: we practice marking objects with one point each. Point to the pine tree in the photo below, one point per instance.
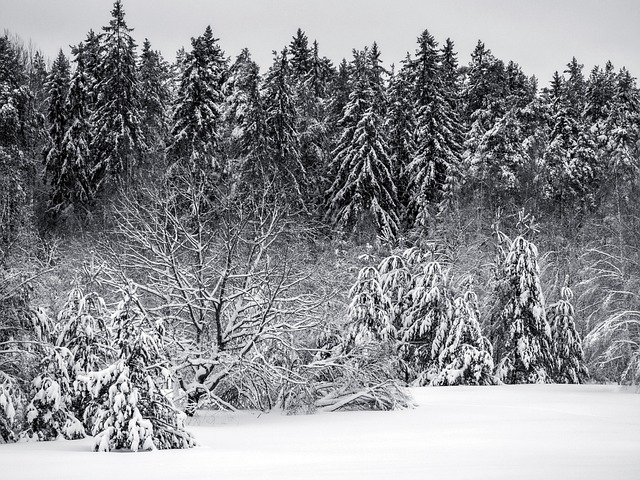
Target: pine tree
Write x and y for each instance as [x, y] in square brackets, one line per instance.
[195, 134]
[245, 118]
[565, 341]
[117, 138]
[363, 195]
[522, 337]
[570, 157]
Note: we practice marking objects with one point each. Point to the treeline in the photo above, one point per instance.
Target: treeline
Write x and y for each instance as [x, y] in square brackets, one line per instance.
[356, 146]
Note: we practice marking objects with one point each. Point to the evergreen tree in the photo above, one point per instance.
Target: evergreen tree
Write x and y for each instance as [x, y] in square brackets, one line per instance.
[465, 358]
[245, 118]
[400, 125]
[71, 172]
[58, 115]
[281, 119]
[363, 195]
[155, 97]
[570, 157]
[49, 413]
[565, 341]
[521, 333]
[117, 138]
[130, 410]
[195, 134]
[426, 322]
[437, 151]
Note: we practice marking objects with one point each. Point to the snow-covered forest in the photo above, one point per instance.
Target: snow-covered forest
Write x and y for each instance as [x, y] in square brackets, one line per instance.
[201, 234]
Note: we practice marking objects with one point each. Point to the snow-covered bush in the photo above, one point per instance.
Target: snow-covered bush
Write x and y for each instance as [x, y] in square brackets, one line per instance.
[48, 415]
[565, 341]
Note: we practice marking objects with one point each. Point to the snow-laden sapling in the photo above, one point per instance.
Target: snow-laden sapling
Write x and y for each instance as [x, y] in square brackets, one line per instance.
[48, 415]
[566, 345]
[466, 356]
[426, 322]
[130, 411]
[522, 337]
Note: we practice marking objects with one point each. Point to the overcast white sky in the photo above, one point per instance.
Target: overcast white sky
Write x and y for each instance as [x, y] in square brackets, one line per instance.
[540, 35]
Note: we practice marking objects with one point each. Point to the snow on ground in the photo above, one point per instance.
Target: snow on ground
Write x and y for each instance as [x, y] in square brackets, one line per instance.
[508, 432]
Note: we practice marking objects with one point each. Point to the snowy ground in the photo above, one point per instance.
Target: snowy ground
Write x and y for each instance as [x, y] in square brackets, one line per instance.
[507, 432]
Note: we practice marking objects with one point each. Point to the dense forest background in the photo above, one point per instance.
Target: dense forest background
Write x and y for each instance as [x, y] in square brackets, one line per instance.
[310, 236]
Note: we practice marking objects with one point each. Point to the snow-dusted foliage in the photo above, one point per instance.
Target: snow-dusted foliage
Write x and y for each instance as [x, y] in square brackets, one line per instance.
[521, 333]
[130, 410]
[49, 414]
[466, 358]
[407, 302]
[10, 399]
[565, 341]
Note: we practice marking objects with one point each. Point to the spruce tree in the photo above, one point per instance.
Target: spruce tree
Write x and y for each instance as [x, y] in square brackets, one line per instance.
[281, 118]
[565, 342]
[245, 118]
[363, 195]
[130, 411]
[437, 148]
[196, 125]
[465, 358]
[71, 178]
[117, 142]
[155, 97]
[426, 322]
[58, 89]
[521, 333]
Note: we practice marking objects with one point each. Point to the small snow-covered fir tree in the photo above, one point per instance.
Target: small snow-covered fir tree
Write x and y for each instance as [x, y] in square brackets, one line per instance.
[130, 410]
[426, 322]
[565, 341]
[49, 414]
[522, 334]
[370, 309]
[465, 358]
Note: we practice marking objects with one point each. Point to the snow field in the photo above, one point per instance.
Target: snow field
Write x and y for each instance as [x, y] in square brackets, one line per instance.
[507, 432]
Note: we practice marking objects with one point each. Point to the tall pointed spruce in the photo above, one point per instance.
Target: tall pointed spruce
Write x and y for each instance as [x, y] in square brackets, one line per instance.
[117, 137]
[363, 195]
[198, 107]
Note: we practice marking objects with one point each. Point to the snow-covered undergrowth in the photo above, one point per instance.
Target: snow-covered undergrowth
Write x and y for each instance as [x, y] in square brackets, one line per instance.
[505, 432]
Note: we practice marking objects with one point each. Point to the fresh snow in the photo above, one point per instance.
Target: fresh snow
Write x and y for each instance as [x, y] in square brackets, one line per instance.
[506, 432]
